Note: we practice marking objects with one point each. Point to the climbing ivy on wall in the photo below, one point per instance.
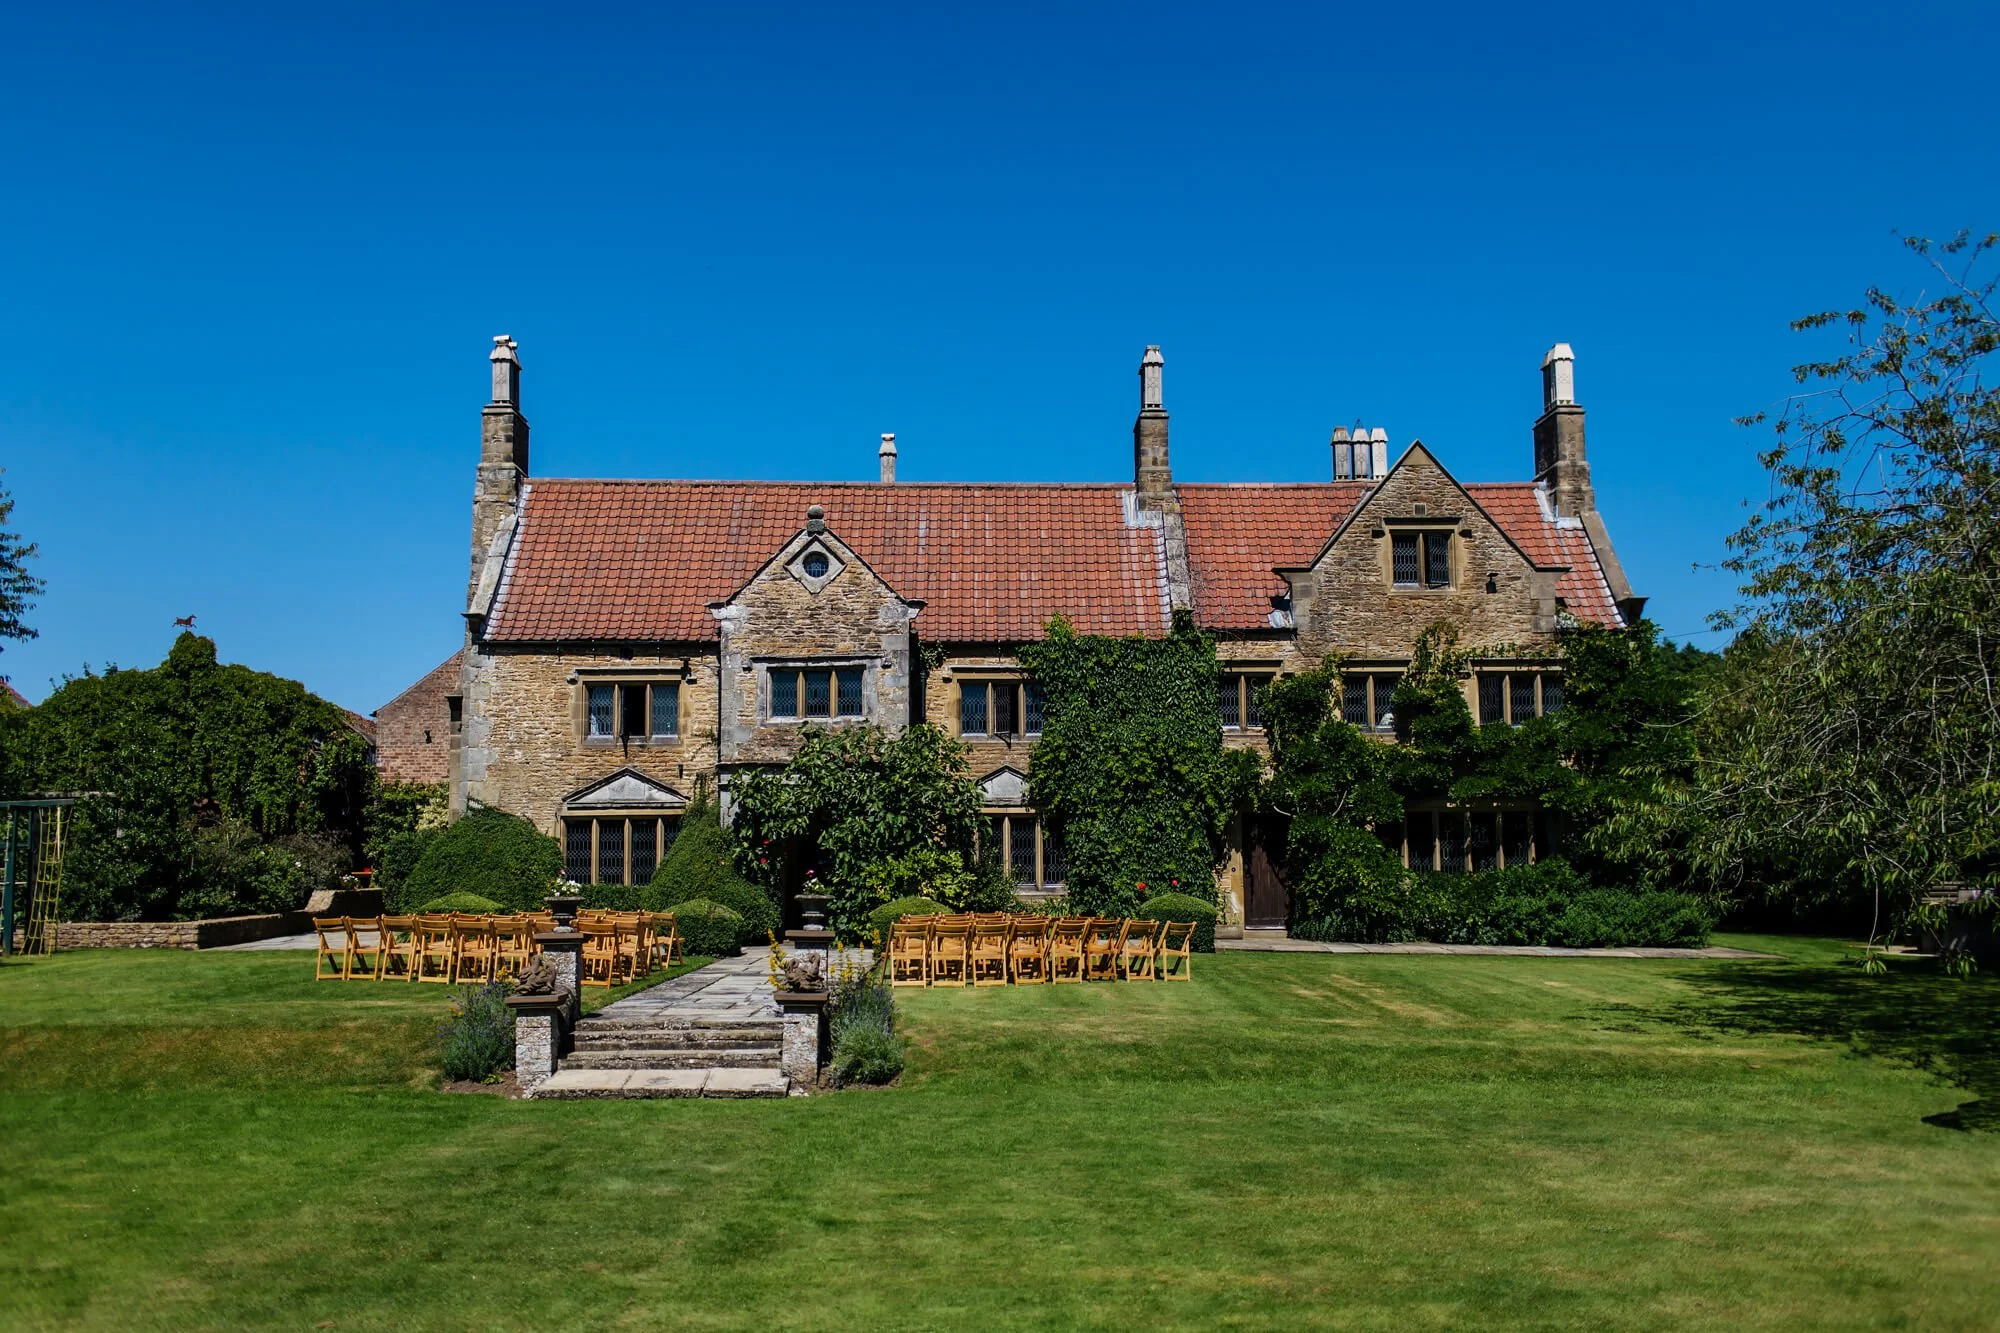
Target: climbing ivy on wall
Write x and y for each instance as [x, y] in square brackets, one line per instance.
[1130, 768]
[202, 765]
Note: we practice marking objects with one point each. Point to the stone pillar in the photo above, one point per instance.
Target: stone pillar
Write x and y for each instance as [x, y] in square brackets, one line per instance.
[805, 1047]
[564, 949]
[541, 1030]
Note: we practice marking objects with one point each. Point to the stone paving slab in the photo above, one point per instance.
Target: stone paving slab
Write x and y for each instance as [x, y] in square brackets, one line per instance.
[581, 1084]
[1269, 945]
[306, 942]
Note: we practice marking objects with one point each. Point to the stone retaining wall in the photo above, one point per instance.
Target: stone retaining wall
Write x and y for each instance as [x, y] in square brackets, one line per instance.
[209, 934]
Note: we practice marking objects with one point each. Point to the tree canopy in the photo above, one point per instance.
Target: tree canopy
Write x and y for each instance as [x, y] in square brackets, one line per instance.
[1850, 743]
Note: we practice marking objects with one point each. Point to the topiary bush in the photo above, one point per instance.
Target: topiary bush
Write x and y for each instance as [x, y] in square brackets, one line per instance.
[619, 897]
[1181, 907]
[477, 1041]
[707, 928]
[492, 854]
[1616, 918]
[700, 865]
[469, 903]
[889, 913]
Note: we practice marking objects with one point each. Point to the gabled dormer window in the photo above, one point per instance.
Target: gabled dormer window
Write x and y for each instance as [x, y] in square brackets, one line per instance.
[1420, 559]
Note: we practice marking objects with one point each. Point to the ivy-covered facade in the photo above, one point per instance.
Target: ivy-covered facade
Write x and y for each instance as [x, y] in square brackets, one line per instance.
[628, 639]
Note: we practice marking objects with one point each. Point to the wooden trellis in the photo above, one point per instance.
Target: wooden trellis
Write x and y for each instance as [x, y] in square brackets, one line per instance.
[35, 833]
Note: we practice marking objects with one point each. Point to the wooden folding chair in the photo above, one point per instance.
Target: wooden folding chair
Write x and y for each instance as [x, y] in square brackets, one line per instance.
[478, 946]
[1135, 951]
[988, 953]
[1102, 945]
[364, 956]
[1176, 943]
[667, 944]
[332, 960]
[635, 945]
[600, 953]
[399, 948]
[1066, 940]
[1028, 951]
[513, 945]
[950, 940]
[437, 950]
[909, 951]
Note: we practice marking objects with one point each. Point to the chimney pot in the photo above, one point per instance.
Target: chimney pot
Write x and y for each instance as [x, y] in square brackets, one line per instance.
[506, 370]
[1558, 377]
[1152, 368]
[887, 453]
[1152, 474]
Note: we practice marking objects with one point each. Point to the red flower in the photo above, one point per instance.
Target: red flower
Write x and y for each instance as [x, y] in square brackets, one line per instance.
[1142, 886]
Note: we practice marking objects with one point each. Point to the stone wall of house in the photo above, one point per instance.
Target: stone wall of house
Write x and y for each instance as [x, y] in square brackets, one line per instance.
[413, 730]
[1346, 602]
[530, 749]
[851, 618]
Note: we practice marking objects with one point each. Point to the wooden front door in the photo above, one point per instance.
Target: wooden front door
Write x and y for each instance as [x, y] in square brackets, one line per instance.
[1266, 902]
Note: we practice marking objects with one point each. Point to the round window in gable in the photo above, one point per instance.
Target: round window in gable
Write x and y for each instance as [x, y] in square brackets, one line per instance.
[815, 564]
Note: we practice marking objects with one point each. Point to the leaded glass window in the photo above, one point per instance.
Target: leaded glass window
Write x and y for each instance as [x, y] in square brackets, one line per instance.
[667, 708]
[784, 694]
[972, 709]
[1437, 559]
[603, 703]
[1021, 849]
[849, 703]
[576, 851]
[1404, 555]
[645, 850]
[1354, 700]
[1031, 721]
[1521, 687]
[1552, 694]
[1492, 700]
[819, 693]
[610, 851]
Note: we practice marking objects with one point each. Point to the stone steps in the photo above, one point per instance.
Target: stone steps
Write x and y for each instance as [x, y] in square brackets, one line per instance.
[657, 1057]
[621, 1084]
[671, 1054]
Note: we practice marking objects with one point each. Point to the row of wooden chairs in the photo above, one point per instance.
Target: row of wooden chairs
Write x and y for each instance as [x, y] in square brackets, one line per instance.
[454, 947]
[621, 946]
[1002, 949]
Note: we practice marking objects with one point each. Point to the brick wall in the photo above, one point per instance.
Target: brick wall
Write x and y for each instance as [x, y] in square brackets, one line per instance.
[413, 730]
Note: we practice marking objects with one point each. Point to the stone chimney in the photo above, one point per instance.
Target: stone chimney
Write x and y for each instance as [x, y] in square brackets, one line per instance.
[887, 453]
[1150, 470]
[1559, 459]
[503, 456]
[1360, 456]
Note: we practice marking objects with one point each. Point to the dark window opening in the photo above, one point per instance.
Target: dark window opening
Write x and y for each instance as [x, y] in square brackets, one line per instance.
[610, 851]
[645, 850]
[1437, 559]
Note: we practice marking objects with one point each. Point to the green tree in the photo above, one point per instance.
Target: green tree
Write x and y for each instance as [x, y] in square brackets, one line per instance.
[851, 799]
[1862, 748]
[18, 588]
[187, 746]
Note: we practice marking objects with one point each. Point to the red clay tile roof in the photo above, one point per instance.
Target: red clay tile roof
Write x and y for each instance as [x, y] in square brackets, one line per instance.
[642, 560]
[14, 696]
[1237, 534]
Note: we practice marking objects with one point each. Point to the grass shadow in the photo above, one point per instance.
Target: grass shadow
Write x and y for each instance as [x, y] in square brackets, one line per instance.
[1914, 1014]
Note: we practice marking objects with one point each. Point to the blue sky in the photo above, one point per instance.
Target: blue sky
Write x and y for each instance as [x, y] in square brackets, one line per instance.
[250, 263]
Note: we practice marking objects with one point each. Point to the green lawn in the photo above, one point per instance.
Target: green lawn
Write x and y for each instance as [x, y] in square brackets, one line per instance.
[1348, 1141]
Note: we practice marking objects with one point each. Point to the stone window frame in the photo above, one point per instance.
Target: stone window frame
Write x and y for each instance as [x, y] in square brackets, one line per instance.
[870, 669]
[1421, 528]
[1237, 680]
[622, 678]
[1538, 842]
[1539, 677]
[595, 819]
[1018, 684]
[1382, 675]
[1007, 817]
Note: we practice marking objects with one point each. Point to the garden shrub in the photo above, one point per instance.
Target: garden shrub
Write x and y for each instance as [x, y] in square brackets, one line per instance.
[477, 1040]
[707, 928]
[889, 913]
[862, 1029]
[238, 873]
[1182, 907]
[1616, 918]
[490, 853]
[700, 865]
[471, 904]
[619, 897]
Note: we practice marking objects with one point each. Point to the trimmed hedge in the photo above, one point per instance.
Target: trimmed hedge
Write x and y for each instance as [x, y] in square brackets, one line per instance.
[707, 928]
[492, 854]
[1181, 907]
[469, 903]
[699, 866]
[1547, 903]
[889, 913]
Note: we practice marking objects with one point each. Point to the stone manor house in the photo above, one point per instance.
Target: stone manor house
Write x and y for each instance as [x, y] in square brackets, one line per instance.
[625, 638]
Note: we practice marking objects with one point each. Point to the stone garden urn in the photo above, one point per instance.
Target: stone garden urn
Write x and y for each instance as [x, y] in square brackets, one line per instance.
[562, 906]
